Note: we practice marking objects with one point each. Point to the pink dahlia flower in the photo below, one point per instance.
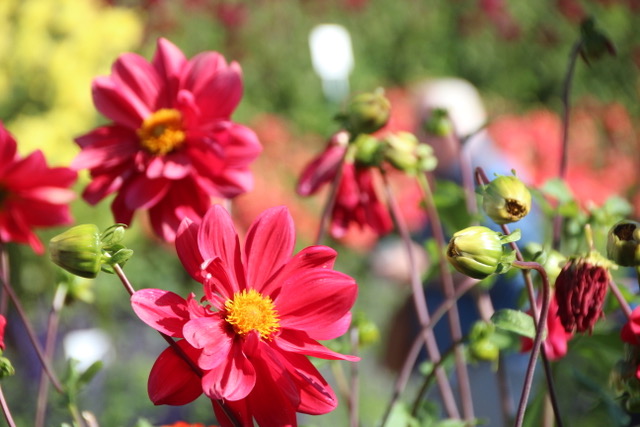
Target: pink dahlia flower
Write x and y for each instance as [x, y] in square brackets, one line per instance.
[556, 342]
[31, 194]
[171, 146]
[262, 313]
[356, 201]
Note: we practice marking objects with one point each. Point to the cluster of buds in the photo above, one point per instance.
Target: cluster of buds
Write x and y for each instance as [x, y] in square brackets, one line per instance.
[479, 252]
[366, 113]
[506, 199]
[84, 251]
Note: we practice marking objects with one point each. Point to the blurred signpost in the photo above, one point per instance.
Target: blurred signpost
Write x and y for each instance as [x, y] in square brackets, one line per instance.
[332, 59]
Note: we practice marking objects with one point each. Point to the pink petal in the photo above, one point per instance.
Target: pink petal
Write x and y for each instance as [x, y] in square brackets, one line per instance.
[187, 248]
[315, 299]
[333, 330]
[162, 310]
[211, 335]
[268, 245]
[7, 148]
[118, 104]
[316, 395]
[169, 62]
[322, 169]
[101, 187]
[218, 280]
[232, 380]
[217, 237]
[299, 342]
[138, 76]
[172, 381]
[143, 193]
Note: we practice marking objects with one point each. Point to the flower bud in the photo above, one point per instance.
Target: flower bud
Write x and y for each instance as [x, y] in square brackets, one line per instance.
[406, 153]
[481, 346]
[475, 251]
[595, 43]
[6, 368]
[623, 243]
[78, 250]
[506, 199]
[368, 150]
[438, 123]
[366, 113]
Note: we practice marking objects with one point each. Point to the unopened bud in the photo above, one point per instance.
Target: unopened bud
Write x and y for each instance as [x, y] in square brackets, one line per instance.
[623, 243]
[6, 368]
[368, 150]
[481, 346]
[476, 251]
[595, 43]
[438, 123]
[404, 152]
[506, 199]
[78, 250]
[366, 113]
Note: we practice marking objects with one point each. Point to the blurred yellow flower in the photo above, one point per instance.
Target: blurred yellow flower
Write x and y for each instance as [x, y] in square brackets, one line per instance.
[50, 50]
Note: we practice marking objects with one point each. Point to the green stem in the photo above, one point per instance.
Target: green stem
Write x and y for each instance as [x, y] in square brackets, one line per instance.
[448, 289]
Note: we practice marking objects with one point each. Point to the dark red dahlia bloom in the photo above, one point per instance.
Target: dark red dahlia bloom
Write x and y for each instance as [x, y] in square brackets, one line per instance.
[262, 314]
[32, 195]
[557, 338]
[581, 288]
[356, 200]
[172, 145]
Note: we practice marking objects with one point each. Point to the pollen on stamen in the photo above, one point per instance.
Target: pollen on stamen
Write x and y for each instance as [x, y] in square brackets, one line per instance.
[251, 311]
[162, 132]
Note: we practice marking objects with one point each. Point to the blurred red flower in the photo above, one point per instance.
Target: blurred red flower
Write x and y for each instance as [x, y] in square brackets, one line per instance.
[172, 145]
[3, 324]
[356, 200]
[557, 338]
[31, 194]
[263, 312]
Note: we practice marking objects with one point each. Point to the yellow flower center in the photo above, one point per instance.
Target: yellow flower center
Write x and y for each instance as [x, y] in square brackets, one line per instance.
[250, 311]
[162, 132]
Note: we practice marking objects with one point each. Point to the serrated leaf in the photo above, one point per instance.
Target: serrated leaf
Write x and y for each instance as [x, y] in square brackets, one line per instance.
[515, 321]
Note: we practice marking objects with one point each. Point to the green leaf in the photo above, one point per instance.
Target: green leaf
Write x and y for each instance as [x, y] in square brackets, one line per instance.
[514, 236]
[558, 189]
[515, 321]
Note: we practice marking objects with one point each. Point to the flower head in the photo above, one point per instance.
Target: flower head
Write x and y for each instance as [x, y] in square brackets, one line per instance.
[506, 199]
[31, 194]
[171, 145]
[262, 313]
[581, 288]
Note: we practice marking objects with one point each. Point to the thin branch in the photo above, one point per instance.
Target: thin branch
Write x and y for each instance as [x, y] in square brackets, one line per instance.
[354, 404]
[5, 410]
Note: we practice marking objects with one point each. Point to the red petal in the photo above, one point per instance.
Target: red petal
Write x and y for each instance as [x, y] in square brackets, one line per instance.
[268, 245]
[209, 334]
[169, 62]
[187, 248]
[162, 310]
[299, 342]
[135, 73]
[232, 380]
[316, 396]
[143, 193]
[315, 299]
[117, 104]
[321, 170]
[172, 381]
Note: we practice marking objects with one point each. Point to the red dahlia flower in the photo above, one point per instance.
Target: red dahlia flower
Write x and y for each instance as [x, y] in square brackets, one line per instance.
[557, 337]
[581, 288]
[262, 312]
[630, 332]
[356, 199]
[171, 146]
[3, 324]
[31, 194]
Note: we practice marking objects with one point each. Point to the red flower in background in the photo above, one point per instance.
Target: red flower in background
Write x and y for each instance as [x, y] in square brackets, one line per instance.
[172, 145]
[263, 312]
[32, 195]
[3, 324]
[356, 200]
[557, 338]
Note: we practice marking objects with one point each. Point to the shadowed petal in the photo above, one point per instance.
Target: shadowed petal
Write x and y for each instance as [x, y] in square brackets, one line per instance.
[209, 334]
[172, 381]
[232, 380]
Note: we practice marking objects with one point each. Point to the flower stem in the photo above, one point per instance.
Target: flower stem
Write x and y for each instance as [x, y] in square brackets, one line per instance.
[422, 311]
[49, 346]
[448, 289]
[354, 403]
[174, 345]
[5, 410]
[624, 305]
[537, 342]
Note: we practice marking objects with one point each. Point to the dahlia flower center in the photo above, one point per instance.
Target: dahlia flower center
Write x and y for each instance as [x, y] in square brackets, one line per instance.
[250, 311]
[162, 132]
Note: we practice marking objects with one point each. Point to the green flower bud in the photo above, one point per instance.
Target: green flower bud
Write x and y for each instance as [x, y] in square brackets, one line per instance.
[506, 199]
[406, 153]
[6, 368]
[623, 243]
[366, 113]
[481, 347]
[368, 150]
[78, 250]
[595, 43]
[439, 123]
[476, 251]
